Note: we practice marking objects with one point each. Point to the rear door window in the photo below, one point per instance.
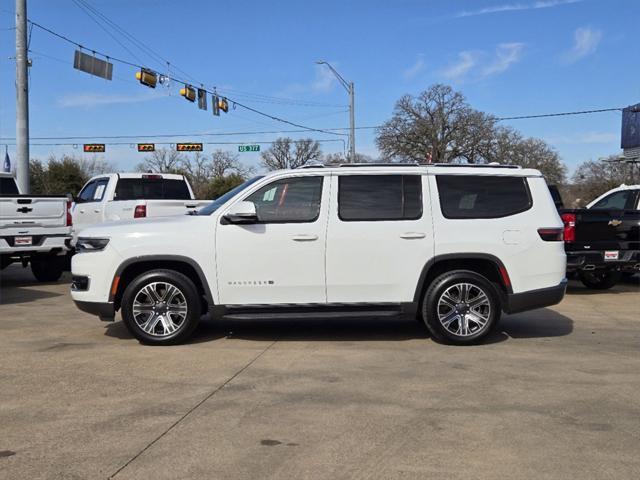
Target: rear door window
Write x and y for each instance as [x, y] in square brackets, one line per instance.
[617, 201]
[478, 196]
[379, 197]
[151, 189]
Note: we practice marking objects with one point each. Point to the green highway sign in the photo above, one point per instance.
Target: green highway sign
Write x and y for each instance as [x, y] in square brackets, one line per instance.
[248, 148]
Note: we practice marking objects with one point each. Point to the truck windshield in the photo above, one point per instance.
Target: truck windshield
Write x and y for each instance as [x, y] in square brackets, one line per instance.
[8, 186]
[151, 189]
[221, 200]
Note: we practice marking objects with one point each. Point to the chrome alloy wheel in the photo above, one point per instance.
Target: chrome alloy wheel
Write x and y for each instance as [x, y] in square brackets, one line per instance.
[464, 309]
[159, 309]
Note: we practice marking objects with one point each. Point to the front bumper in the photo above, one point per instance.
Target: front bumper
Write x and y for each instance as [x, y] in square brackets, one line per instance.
[104, 310]
[591, 260]
[544, 297]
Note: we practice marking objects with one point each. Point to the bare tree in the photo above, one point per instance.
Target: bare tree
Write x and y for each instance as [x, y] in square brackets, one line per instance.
[592, 178]
[437, 126]
[93, 166]
[163, 160]
[285, 153]
[340, 158]
[510, 147]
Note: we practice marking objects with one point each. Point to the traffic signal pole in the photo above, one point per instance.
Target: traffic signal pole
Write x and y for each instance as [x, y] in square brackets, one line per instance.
[22, 99]
[352, 125]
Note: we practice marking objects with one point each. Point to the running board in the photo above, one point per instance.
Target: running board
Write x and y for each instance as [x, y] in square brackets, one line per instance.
[269, 312]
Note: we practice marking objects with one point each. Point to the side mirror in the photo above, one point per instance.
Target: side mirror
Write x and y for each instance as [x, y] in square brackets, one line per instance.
[242, 212]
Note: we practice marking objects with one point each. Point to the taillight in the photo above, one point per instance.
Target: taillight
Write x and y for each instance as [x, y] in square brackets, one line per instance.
[69, 217]
[569, 220]
[140, 211]
[551, 234]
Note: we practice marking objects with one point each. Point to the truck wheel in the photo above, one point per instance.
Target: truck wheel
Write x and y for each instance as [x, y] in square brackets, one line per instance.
[47, 268]
[161, 307]
[600, 279]
[460, 307]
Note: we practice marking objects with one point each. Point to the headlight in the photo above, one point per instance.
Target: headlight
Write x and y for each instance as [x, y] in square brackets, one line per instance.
[88, 244]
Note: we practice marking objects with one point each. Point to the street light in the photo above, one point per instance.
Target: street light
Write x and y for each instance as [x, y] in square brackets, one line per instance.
[348, 86]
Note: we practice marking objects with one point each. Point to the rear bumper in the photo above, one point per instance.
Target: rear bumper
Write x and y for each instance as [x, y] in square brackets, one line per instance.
[544, 297]
[105, 311]
[592, 260]
[41, 244]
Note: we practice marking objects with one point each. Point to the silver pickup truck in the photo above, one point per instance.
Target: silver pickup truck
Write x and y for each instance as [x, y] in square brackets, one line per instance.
[34, 229]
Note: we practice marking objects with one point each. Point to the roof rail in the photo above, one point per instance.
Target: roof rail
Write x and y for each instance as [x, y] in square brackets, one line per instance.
[474, 165]
[381, 164]
[312, 164]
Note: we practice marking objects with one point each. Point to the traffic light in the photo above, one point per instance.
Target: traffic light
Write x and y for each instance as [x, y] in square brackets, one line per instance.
[189, 93]
[146, 147]
[215, 107]
[189, 147]
[202, 99]
[147, 77]
[94, 147]
[223, 104]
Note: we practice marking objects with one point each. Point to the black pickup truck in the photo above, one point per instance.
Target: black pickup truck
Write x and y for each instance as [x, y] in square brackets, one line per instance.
[602, 241]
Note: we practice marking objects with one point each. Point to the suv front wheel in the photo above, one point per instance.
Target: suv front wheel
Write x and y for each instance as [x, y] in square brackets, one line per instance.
[460, 307]
[161, 307]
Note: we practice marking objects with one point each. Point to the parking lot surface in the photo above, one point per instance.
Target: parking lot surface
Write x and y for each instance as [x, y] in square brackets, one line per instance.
[554, 394]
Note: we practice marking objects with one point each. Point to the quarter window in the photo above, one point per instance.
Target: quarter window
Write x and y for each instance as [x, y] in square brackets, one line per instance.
[466, 196]
[379, 197]
[290, 200]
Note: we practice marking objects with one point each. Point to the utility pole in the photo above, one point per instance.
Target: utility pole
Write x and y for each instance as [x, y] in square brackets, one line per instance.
[22, 98]
[352, 125]
[348, 86]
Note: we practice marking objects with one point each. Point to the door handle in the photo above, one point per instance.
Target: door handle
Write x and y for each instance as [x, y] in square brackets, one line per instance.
[411, 235]
[82, 210]
[304, 238]
[96, 210]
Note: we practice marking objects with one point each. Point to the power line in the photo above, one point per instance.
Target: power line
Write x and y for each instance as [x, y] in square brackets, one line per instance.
[233, 101]
[561, 114]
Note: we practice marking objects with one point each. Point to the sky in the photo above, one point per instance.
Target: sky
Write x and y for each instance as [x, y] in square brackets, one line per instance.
[508, 57]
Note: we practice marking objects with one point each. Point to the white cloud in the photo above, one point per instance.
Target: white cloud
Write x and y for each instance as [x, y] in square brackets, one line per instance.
[90, 99]
[586, 41]
[458, 70]
[417, 67]
[506, 55]
[324, 81]
[512, 7]
[479, 64]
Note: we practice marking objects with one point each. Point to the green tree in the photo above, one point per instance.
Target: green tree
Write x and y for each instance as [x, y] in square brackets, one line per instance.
[220, 185]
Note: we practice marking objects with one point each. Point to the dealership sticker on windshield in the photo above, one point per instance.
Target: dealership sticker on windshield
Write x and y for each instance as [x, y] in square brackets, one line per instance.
[611, 255]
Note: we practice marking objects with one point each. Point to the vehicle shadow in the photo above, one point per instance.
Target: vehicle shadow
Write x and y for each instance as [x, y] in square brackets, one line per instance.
[536, 324]
[626, 285]
[13, 281]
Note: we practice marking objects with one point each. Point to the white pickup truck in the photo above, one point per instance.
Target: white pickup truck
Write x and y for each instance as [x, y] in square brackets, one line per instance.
[125, 196]
[34, 229]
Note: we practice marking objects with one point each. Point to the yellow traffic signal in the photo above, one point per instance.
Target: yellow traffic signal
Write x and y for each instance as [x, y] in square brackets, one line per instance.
[147, 77]
[223, 104]
[188, 92]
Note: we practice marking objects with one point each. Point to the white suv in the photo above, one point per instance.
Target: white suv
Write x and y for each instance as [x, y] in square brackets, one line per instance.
[453, 245]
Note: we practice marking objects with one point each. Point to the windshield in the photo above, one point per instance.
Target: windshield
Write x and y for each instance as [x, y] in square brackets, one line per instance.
[221, 200]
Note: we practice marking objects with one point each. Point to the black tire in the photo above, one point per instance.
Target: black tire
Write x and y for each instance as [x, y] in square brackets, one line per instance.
[436, 308]
[163, 315]
[600, 279]
[47, 268]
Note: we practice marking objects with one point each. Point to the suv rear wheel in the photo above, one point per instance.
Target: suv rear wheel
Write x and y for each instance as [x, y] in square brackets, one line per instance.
[161, 307]
[460, 307]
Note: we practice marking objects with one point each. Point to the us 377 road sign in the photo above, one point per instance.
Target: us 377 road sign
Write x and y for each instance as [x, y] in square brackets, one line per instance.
[248, 148]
